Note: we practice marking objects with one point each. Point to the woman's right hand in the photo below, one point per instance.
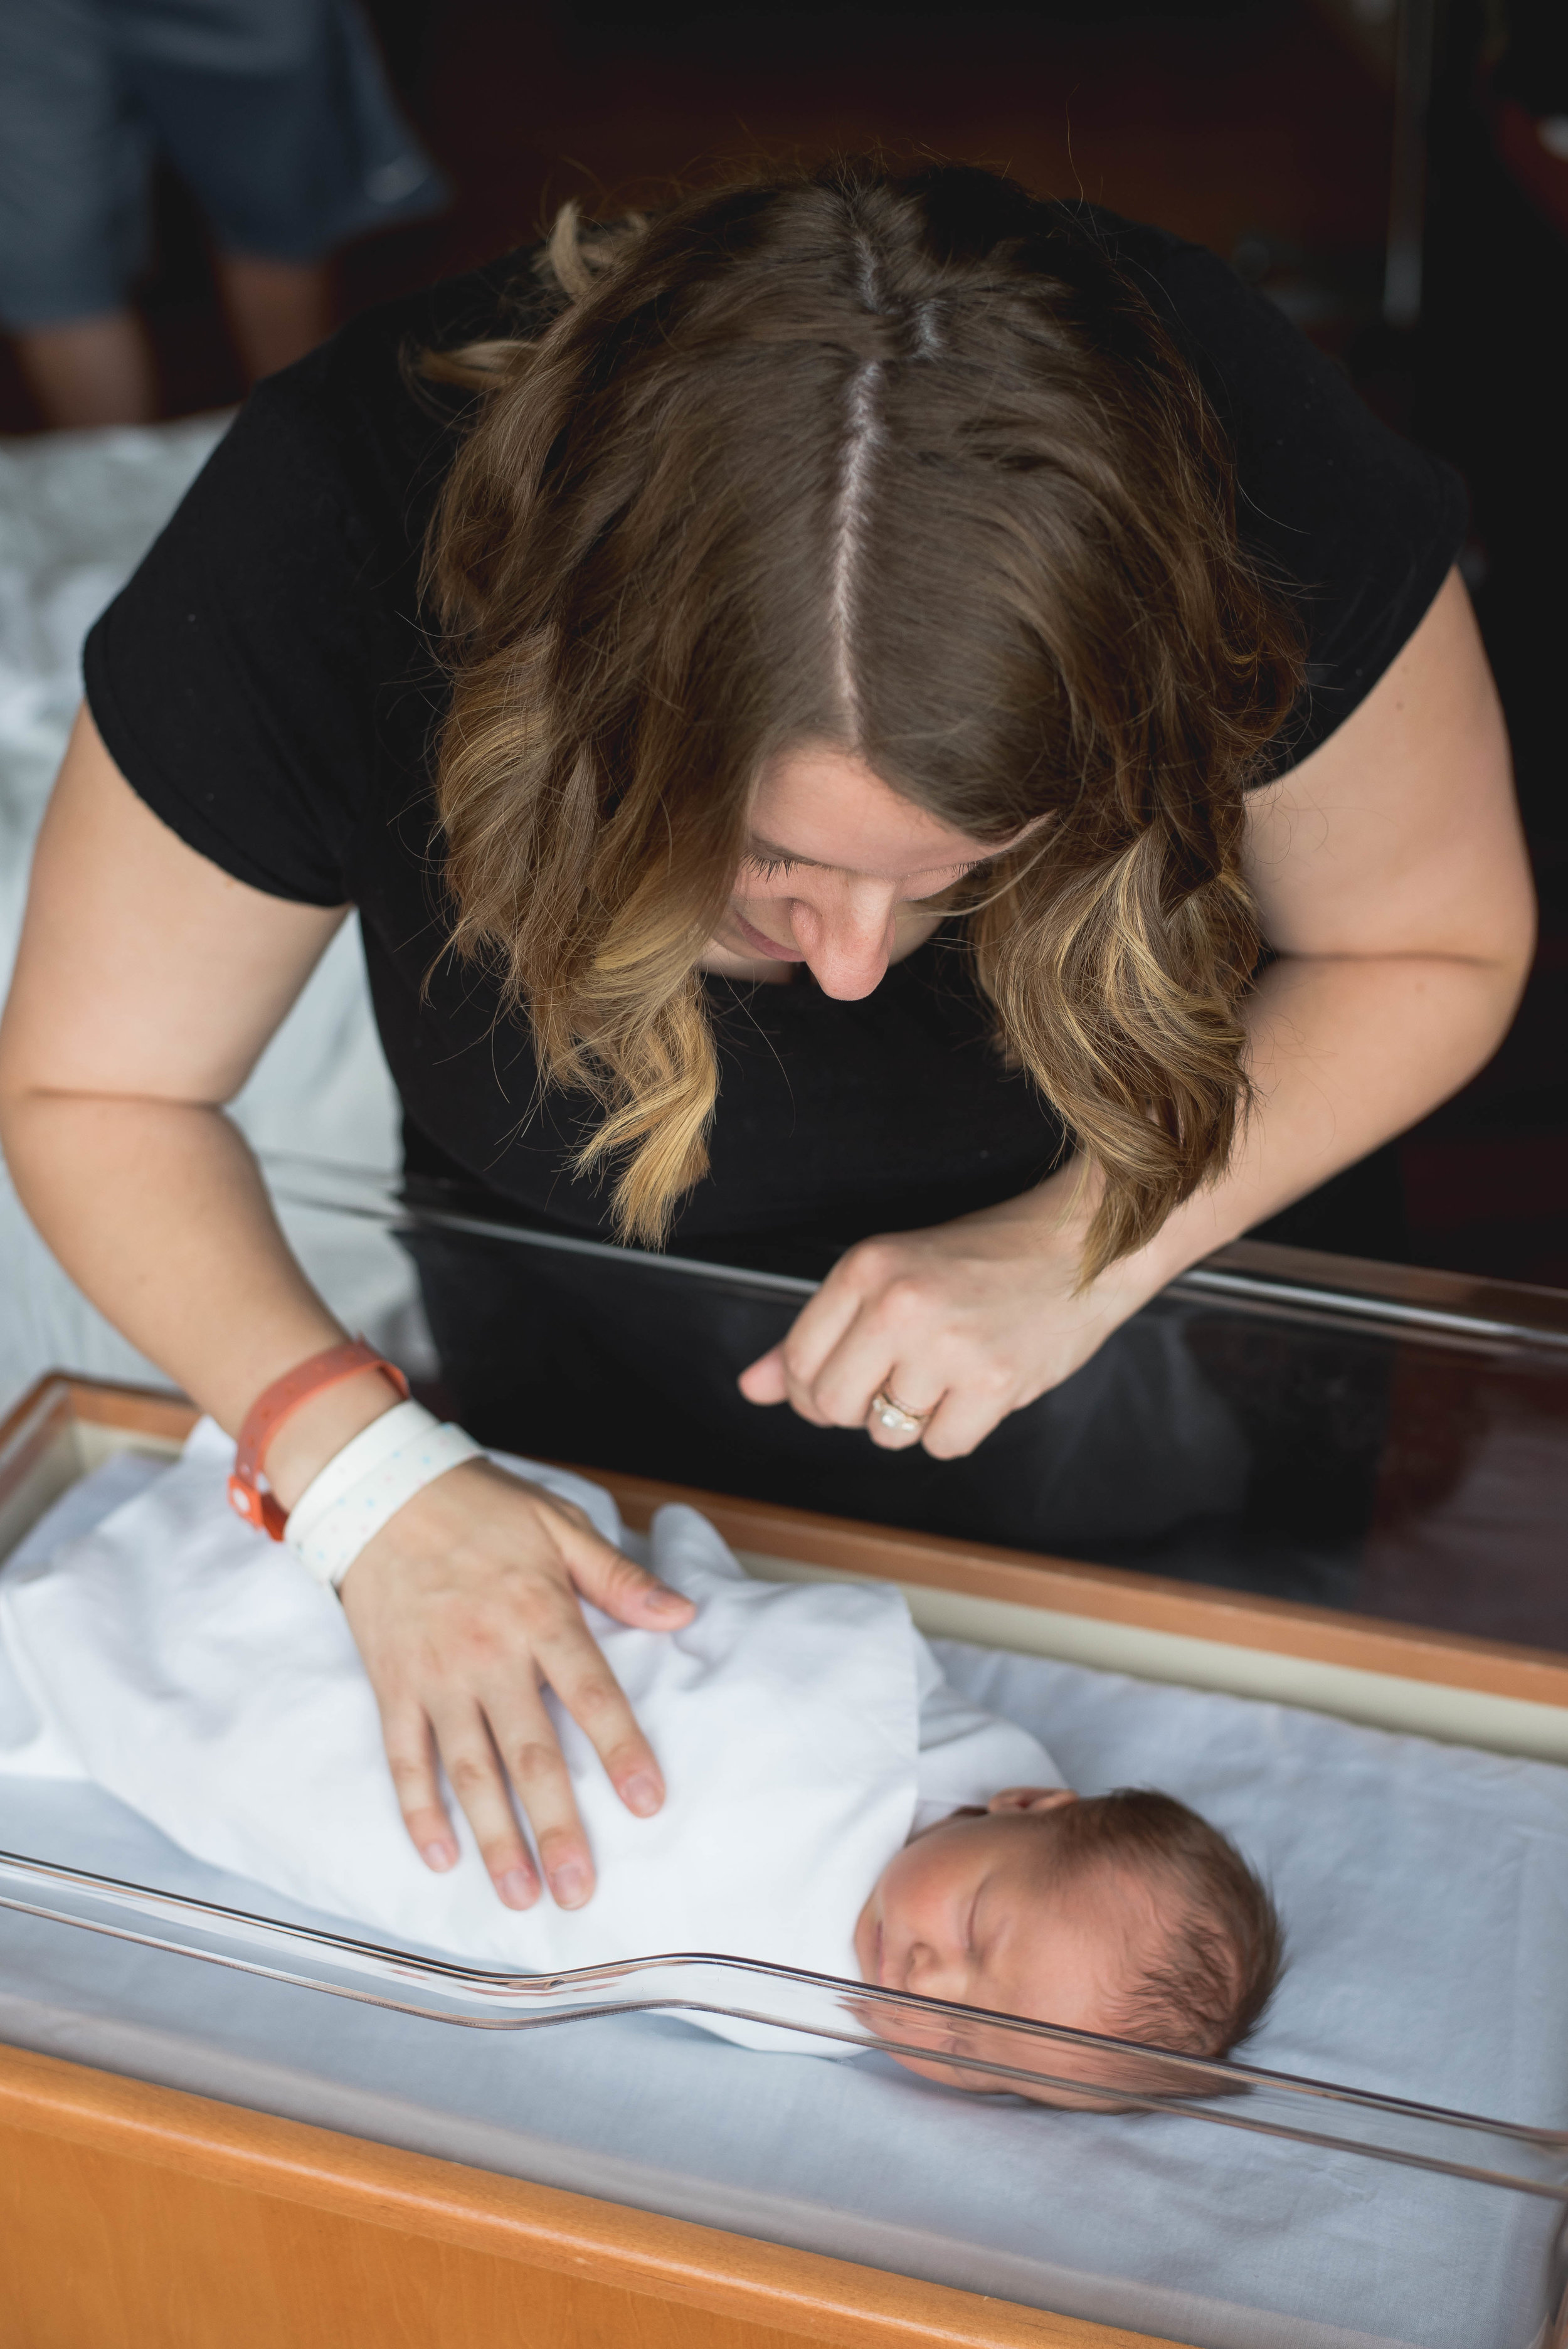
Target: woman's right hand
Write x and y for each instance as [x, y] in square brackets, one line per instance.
[466, 1607]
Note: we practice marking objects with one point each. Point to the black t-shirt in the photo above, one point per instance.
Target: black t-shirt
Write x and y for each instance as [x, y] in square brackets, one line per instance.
[265, 684]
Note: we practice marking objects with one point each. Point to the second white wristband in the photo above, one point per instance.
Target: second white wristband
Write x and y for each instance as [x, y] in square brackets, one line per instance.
[366, 1483]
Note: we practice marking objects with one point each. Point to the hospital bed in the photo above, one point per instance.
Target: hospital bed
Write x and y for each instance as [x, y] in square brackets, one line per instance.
[225, 2119]
[78, 510]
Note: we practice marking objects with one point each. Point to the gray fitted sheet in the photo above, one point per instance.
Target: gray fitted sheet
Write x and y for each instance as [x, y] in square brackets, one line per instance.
[1425, 1891]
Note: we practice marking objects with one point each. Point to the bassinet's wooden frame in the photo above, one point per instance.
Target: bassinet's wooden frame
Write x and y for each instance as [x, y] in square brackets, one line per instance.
[142, 2217]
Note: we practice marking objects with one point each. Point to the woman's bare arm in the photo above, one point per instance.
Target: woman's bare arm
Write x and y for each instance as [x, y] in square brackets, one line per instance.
[146, 985]
[1391, 877]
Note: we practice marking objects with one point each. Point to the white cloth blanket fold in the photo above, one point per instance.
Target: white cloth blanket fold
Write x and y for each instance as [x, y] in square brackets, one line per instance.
[195, 1670]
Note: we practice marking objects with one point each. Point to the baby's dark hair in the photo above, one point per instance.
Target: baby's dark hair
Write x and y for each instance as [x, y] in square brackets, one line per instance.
[1221, 1950]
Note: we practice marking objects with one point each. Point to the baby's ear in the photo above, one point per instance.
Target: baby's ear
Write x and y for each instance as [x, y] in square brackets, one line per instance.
[1032, 1798]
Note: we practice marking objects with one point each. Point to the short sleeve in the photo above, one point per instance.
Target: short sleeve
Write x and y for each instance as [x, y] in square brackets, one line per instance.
[1359, 526]
[232, 680]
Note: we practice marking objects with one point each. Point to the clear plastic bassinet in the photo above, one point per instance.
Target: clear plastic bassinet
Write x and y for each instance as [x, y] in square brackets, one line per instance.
[1231, 2206]
[1191, 2206]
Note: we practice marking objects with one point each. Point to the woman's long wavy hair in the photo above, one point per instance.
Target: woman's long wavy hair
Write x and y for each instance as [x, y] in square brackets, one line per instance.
[904, 465]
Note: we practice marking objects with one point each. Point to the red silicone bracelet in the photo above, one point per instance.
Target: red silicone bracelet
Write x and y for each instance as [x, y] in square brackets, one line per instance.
[279, 1401]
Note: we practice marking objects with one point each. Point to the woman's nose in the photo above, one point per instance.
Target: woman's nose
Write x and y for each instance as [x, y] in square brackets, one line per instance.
[847, 943]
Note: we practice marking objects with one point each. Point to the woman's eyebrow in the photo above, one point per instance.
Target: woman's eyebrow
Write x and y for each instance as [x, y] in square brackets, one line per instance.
[760, 847]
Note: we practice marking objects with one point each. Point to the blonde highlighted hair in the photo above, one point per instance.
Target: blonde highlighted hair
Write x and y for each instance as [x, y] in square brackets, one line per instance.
[909, 467]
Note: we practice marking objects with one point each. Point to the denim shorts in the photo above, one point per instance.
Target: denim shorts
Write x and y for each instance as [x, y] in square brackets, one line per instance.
[275, 113]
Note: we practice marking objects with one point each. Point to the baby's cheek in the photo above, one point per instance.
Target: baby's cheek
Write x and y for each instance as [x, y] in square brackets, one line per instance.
[951, 2076]
[865, 1935]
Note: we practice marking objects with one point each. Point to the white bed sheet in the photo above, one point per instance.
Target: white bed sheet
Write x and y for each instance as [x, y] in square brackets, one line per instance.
[78, 510]
[1426, 1893]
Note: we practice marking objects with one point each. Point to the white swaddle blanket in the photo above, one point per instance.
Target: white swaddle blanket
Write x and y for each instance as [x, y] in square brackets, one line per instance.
[194, 1669]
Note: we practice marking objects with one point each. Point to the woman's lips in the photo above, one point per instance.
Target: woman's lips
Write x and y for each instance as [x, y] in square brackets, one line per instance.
[768, 947]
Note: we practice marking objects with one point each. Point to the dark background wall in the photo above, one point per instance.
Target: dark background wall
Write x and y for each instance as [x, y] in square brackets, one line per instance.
[1262, 127]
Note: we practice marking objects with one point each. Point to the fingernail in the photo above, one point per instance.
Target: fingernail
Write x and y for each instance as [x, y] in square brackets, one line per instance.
[517, 1889]
[440, 1856]
[570, 1885]
[643, 1794]
[664, 1602]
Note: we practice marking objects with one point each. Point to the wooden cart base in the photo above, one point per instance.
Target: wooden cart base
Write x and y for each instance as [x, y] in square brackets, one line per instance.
[142, 2217]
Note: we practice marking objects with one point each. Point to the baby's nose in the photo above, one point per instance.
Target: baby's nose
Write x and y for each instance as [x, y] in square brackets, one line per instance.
[934, 1973]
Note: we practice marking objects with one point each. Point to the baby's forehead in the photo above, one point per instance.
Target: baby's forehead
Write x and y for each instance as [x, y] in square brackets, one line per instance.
[1115, 1899]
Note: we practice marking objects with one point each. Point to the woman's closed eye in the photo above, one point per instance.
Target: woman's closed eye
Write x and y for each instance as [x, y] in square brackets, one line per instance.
[768, 865]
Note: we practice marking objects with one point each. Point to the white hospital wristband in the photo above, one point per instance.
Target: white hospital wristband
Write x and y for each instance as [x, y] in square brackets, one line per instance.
[363, 1452]
[366, 1483]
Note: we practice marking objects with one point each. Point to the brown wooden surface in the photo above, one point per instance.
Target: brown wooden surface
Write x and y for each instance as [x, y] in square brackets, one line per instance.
[140, 2218]
[58, 1399]
[101, 1402]
[1114, 1595]
[29, 1429]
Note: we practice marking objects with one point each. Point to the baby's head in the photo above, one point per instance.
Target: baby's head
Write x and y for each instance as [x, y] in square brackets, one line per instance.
[1123, 1914]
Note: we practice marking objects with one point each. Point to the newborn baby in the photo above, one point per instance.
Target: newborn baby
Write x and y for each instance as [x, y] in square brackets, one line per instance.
[833, 1804]
[1124, 1914]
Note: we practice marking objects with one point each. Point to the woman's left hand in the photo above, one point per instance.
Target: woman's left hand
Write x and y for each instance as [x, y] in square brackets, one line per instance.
[957, 1325]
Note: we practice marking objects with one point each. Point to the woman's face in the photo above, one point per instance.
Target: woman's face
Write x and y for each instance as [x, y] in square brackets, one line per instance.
[835, 876]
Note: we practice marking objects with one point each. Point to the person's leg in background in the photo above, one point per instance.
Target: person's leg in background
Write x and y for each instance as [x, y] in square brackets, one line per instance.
[74, 157]
[277, 115]
[90, 371]
[277, 310]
